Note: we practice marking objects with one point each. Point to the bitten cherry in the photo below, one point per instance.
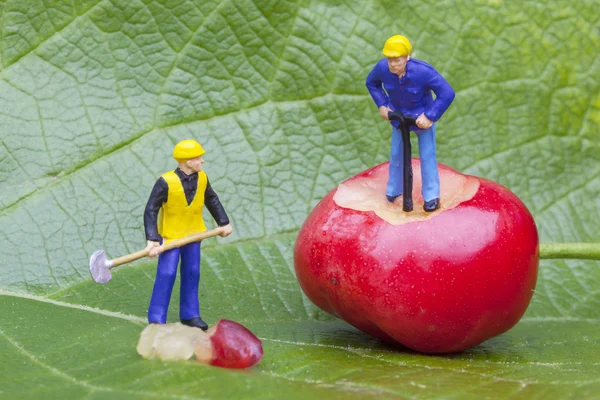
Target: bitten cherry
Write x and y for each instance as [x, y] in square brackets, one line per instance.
[434, 282]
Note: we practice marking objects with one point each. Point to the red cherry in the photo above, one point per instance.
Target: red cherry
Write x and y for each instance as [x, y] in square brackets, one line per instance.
[434, 282]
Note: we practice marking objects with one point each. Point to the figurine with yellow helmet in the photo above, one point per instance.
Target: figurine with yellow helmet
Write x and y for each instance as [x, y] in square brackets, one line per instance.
[173, 211]
[402, 83]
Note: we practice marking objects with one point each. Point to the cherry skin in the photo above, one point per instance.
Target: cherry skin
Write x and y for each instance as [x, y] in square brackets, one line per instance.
[436, 282]
[233, 345]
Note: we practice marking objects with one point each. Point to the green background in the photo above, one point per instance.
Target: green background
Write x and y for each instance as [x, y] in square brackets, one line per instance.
[95, 93]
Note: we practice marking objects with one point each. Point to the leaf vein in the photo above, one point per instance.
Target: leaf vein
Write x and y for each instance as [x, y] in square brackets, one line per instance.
[56, 33]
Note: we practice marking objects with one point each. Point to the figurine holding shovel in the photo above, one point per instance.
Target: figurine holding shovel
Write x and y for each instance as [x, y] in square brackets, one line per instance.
[174, 229]
[174, 211]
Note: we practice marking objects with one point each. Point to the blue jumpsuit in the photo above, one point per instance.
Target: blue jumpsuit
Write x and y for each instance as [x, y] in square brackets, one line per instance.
[411, 95]
[166, 270]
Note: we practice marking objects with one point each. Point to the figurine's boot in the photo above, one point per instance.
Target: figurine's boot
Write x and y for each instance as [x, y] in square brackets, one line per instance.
[391, 199]
[431, 205]
[195, 322]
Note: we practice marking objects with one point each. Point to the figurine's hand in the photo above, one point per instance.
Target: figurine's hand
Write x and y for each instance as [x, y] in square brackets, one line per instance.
[227, 229]
[423, 122]
[154, 248]
[384, 111]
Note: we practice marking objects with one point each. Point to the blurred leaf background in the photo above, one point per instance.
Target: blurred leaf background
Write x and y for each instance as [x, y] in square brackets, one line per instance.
[95, 93]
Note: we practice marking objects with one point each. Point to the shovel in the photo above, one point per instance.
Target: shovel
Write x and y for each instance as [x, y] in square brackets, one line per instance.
[405, 123]
[100, 266]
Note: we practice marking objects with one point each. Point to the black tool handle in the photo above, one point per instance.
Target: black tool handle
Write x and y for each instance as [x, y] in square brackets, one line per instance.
[405, 123]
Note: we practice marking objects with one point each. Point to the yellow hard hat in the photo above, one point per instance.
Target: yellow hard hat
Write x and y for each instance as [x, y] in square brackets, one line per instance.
[187, 149]
[396, 46]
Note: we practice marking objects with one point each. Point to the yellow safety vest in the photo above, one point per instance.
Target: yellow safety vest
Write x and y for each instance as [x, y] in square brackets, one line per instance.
[178, 219]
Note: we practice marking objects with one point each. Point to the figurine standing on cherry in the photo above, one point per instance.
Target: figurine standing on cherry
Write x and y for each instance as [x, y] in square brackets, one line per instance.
[399, 83]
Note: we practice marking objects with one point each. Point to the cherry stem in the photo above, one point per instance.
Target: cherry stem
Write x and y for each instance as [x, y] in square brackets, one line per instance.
[583, 251]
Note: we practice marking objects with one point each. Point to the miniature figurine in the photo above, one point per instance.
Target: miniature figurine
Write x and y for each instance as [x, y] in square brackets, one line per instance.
[179, 196]
[404, 84]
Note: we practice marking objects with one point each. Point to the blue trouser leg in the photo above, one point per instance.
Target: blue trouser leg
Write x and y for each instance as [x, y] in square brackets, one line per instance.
[166, 271]
[190, 278]
[429, 170]
[395, 181]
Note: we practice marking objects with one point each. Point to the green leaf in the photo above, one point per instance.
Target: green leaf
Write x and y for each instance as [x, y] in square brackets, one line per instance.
[94, 94]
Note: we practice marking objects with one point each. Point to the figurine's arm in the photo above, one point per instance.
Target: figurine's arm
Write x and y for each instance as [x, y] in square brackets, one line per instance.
[375, 87]
[214, 206]
[158, 196]
[444, 94]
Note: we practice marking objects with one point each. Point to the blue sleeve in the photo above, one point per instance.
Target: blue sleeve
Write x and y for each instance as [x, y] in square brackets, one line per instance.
[375, 86]
[444, 95]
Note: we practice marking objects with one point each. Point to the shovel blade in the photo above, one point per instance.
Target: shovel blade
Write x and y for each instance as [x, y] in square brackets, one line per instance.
[98, 268]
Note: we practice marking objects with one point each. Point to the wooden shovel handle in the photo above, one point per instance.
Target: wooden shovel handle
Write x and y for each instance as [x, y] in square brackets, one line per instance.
[128, 258]
[194, 237]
